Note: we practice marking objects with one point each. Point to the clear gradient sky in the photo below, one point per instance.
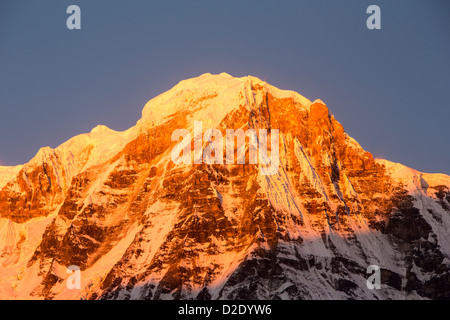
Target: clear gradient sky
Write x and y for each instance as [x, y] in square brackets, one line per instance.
[389, 88]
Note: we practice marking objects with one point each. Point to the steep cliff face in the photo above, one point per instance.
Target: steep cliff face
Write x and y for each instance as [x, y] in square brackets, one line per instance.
[141, 227]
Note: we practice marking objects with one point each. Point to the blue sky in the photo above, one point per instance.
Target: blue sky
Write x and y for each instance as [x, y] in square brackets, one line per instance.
[388, 87]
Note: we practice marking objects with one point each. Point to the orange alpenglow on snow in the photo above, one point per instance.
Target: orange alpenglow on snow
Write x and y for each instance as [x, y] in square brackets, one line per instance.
[139, 226]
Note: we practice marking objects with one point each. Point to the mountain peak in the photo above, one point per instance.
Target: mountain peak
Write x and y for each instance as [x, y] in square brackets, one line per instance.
[210, 97]
[140, 226]
[101, 128]
[318, 101]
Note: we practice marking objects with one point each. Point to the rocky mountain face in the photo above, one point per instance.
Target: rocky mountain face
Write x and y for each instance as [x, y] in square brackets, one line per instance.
[141, 227]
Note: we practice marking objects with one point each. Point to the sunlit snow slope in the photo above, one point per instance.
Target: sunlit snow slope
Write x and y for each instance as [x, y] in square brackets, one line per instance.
[140, 227]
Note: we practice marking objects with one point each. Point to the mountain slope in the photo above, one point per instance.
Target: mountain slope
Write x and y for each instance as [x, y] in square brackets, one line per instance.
[140, 227]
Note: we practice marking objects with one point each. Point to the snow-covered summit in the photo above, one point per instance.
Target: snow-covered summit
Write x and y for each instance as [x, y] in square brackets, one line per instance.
[210, 97]
[141, 227]
[101, 128]
[319, 102]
